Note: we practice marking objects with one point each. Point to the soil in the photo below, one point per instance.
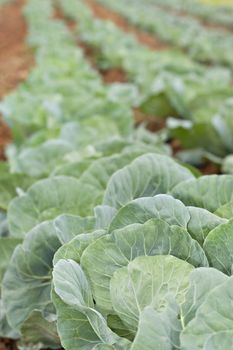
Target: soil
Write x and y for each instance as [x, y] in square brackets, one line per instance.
[143, 37]
[209, 168]
[7, 344]
[15, 58]
[114, 75]
[153, 123]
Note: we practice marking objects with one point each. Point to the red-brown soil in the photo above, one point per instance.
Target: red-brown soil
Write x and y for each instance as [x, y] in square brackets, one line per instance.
[7, 344]
[15, 58]
[153, 123]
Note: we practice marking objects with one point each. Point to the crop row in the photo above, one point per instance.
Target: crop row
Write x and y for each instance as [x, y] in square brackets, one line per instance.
[223, 14]
[106, 241]
[167, 84]
[186, 32]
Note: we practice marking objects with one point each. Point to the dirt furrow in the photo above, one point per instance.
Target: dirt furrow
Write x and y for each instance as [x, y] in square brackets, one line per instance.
[15, 57]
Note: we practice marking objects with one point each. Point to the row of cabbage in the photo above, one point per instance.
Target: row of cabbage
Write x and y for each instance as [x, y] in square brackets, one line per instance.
[222, 15]
[186, 32]
[162, 83]
[117, 245]
[63, 119]
[166, 83]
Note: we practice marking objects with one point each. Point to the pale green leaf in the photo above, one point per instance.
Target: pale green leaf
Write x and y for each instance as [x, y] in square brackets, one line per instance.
[146, 176]
[103, 257]
[219, 247]
[214, 316]
[148, 281]
[209, 192]
[69, 226]
[27, 281]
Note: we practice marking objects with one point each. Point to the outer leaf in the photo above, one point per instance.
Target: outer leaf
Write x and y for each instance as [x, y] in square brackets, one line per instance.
[7, 246]
[219, 341]
[5, 330]
[41, 160]
[100, 170]
[146, 176]
[142, 209]
[75, 248]
[4, 231]
[9, 183]
[160, 329]
[49, 198]
[27, 281]
[37, 330]
[104, 215]
[102, 258]
[202, 281]
[79, 324]
[202, 222]
[219, 247]
[148, 281]
[208, 192]
[70, 226]
[213, 317]
[225, 211]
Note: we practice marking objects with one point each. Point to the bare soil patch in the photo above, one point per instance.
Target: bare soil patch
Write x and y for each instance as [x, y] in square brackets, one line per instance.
[15, 57]
[7, 344]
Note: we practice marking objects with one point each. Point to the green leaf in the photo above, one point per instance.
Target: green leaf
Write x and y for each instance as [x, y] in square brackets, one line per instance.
[142, 209]
[74, 169]
[70, 226]
[209, 192]
[75, 248]
[104, 215]
[37, 330]
[47, 199]
[79, 324]
[27, 281]
[148, 281]
[40, 161]
[214, 316]
[160, 328]
[103, 257]
[146, 176]
[100, 170]
[202, 282]
[219, 341]
[7, 246]
[10, 184]
[225, 211]
[5, 330]
[219, 247]
[4, 231]
[202, 222]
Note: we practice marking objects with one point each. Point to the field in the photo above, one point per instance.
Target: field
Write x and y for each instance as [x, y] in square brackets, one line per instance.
[116, 175]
